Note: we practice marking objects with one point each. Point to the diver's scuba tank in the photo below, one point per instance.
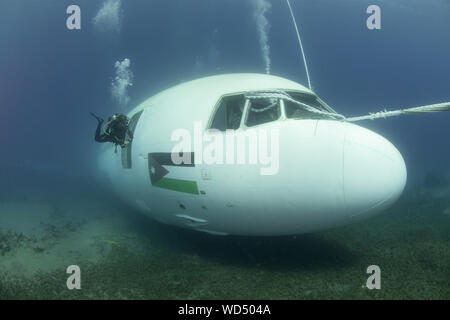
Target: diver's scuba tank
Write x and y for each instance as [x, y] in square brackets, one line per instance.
[117, 128]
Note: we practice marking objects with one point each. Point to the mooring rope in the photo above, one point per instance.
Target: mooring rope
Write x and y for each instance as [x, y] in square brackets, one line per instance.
[265, 108]
[300, 43]
[280, 94]
[439, 107]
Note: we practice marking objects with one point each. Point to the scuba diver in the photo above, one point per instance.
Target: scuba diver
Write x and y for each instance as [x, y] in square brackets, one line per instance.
[115, 130]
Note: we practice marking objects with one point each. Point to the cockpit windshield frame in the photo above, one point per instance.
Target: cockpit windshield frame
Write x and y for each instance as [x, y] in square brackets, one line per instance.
[311, 100]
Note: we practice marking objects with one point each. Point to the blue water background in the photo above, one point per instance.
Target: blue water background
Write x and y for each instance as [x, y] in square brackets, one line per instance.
[51, 77]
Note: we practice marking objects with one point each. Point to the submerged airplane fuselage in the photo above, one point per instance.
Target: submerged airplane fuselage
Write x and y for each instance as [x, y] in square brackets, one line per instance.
[209, 156]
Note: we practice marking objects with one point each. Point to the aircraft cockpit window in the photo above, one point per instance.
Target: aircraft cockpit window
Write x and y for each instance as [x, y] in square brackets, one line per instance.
[295, 111]
[229, 113]
[263, 111]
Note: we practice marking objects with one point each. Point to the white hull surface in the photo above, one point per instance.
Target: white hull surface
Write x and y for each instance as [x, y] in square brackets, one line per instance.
[330, 172]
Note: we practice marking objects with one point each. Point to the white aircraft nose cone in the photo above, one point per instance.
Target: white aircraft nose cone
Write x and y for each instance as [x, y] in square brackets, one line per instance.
[374, 172]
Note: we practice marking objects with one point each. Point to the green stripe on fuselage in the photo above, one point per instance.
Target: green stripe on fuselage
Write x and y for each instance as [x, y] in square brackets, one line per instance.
[185, 186]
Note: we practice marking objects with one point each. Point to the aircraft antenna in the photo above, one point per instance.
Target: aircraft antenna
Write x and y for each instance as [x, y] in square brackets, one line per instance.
[300, 43]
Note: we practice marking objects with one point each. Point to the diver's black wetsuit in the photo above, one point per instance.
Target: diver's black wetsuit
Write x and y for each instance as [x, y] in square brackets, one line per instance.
[102, 137]
[117, 136]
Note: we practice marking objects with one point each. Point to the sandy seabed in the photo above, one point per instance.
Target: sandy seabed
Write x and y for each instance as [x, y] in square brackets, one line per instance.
[124, 255]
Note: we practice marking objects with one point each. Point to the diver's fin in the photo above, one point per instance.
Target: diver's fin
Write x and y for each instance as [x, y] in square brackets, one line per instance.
[96, 117]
